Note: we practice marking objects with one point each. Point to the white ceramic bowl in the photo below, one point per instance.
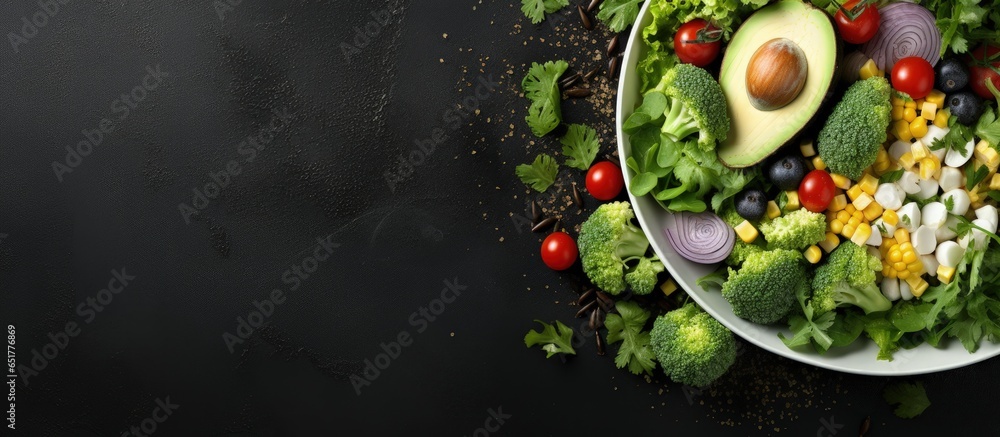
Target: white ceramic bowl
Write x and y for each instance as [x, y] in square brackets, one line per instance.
[858, 358]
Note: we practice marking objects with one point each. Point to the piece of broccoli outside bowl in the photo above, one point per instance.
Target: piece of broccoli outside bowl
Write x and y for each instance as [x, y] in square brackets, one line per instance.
[691, 346]
[613, 251]
[848, 278]
[763, 289]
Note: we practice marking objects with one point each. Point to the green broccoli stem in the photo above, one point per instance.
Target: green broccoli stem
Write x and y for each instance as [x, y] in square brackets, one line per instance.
[679, 122]
[632, 244]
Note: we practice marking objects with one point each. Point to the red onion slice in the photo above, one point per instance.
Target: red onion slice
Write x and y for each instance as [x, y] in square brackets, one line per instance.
[904, 29]
[703, 238]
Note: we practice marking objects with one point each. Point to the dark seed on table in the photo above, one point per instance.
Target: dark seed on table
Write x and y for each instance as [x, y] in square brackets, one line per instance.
[544, 224]
[600, 343]
[585, 296]
[599, 318]
[536, 212]
[585, 308]
[603, 297]
[558, 226]
[577, 199]
[593, 319]
[865, 425]
[590, 74]
[607, 307]
[613, 46]
[578, 92]
[613, 65]
[584, 18]
[593, 5]
[613, 159]
[568, 81]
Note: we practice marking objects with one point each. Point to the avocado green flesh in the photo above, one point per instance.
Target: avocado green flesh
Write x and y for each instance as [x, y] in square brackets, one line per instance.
[755, 134]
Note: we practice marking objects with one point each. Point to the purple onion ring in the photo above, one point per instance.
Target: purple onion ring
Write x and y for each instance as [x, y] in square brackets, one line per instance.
[904, 30]
[703, 238]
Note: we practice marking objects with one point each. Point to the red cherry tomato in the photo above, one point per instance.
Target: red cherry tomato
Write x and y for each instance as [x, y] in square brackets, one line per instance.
[697, 42]
[862, 27]
[982, 67]
[559, 251]
[816, 191]
[605, 181]
[913, 76]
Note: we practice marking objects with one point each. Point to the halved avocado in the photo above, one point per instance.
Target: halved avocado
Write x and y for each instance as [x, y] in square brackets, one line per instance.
[757, 133]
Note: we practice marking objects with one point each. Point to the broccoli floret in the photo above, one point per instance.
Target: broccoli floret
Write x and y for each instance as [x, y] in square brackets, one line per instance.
[695, 104]
[796, 230]
[851, 137]
[742, 251]
[763, 289]
[691, 346]
[610, 244]
[848, 278]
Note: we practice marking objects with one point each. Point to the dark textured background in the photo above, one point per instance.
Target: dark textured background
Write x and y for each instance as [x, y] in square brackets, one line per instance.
[352, 117]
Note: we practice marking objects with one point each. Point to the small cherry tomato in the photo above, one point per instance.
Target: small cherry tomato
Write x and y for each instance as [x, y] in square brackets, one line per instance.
[559, 251]
[816, 191]
[697, 42]
[914, 76]
[985, 61]
[605, 181]
[857, 23]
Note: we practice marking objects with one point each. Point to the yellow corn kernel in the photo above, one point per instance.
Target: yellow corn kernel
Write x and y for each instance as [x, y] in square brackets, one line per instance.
[899, 266]
[895, 256]
[907, 161]
[854, 192]
[890, 217]
[831, 242]
[873, 211]
[882, 156]
[995, 182]
[903, 274]
[936, 97]
[862, 201]
[807, 148]
[919, 103]
[813, 254]
[918, 128]
[910, 104]
[772, 210]
[868, 69]
[854, 221]
[905, 245]
[862, 234]
[831, 216]
[793, 201]
[848, 230]
[928, 110]
[987, 155]
[941, 119]
[838, 203]
[850, 209]
[909, 114]
[917, 285]
[974, 196]
[818, 163]
[668, 287]
[868, 184]
[890, 273]
[928, 167]
[918, 151]
[897, 113]
[843, 216]
[945, 273]
[746, 231]
[841, 181]
[901, 235]
[836, 226]
[901, 128]
[909, 257]
[898, 101]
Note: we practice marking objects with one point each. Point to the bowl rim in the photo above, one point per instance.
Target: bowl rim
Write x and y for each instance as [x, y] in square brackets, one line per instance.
[632, 52]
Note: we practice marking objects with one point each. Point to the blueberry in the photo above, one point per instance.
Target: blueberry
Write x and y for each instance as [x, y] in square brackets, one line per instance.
[965, 106]
[787, 172]
[751, 204]
[951, 75]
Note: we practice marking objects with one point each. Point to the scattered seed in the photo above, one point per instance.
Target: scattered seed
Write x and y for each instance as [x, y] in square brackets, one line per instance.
[578, 92]
[867, 423]
[613, 46]
[544, 224]
[593, 5]
[585, 296]
[613, 65]
[590, 75]
[577, 199]
[600, 343]
[599, 318]
[584, 18]
[536, 213]
[603, 297]
[613, 159]
[568, 81]
[585, 308]
[558, 226]
[593, 319]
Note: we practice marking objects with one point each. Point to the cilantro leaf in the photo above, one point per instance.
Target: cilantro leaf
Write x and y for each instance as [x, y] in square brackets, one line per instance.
[949, 203]
[912, 398]
[541, 86]
[973, 176]
[626, 326]
[555, 339]
[536, 9]
[988, 127]
[619, 14]
[806, 328]
[580, 146]
[891, 176]
[540, 174]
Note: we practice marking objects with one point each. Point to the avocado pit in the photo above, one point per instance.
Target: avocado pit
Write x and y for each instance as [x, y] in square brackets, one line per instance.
[776, 74]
